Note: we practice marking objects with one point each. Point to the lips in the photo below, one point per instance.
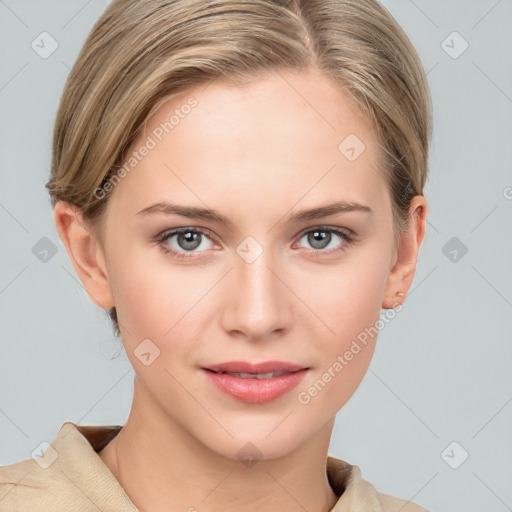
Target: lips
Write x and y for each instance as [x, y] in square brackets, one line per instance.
[254, 368]
[257, 387]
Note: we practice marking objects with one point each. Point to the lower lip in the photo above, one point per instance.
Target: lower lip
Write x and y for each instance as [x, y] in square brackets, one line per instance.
[255, 391]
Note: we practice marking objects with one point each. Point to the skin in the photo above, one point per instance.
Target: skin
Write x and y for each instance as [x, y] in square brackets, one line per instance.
[257, 154]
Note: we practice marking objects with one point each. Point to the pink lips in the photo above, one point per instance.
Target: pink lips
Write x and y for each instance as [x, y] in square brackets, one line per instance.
[254, 390]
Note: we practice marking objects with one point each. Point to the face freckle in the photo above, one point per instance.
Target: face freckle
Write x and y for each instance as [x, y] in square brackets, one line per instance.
[241, 166]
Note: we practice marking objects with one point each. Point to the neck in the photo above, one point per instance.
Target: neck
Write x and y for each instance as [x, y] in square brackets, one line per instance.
[162, 466]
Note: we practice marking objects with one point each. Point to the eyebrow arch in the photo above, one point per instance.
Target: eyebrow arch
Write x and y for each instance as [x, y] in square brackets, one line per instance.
[193, 212]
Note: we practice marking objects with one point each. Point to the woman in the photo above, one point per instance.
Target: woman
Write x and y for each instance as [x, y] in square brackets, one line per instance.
[240, 184]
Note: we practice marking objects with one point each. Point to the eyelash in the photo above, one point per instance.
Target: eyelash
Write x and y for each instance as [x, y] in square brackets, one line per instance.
[162, 237]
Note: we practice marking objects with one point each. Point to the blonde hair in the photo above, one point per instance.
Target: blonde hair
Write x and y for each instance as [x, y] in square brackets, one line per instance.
[141, 53]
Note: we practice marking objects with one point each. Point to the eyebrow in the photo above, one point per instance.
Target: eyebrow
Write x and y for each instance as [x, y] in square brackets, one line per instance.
[193, 212]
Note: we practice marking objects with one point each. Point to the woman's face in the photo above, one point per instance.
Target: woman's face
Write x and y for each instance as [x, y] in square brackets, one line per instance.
[271, 283]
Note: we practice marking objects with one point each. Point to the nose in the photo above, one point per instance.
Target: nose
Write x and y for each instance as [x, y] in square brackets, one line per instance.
[258, 302]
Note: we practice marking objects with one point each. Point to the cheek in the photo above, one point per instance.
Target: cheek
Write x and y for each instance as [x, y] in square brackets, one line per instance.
[346, 297]
[152, 293]
[163, 302]
[347, 300]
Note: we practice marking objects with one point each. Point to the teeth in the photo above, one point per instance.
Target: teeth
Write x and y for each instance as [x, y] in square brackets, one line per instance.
[269, 375]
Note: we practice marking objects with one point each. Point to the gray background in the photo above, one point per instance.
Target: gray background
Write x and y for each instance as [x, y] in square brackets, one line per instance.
[442, 369]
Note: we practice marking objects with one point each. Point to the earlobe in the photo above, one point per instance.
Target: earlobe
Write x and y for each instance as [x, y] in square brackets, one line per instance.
[402, 274]
[85, 253]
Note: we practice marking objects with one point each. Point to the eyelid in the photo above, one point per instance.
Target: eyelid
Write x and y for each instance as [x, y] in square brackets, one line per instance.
[174, 231]
[348, 233]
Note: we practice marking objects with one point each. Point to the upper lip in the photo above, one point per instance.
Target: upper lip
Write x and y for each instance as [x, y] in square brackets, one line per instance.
[245, 367]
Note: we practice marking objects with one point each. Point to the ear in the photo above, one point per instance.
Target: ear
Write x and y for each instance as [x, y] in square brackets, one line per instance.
[85, 253]
[402, 273]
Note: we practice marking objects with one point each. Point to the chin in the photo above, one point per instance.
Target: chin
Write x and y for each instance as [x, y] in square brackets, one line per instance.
[248, 448]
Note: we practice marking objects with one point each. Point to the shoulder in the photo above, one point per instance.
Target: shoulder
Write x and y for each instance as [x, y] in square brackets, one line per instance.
[356, 493]
[393, 504]
[25, 485]
[67, 474]
[33, 483]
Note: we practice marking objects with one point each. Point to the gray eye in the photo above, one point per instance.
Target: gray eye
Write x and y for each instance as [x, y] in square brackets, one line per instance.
[189, 240]
[319, 239]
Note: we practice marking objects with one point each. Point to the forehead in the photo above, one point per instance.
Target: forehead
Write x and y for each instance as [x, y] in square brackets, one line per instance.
[281, 137]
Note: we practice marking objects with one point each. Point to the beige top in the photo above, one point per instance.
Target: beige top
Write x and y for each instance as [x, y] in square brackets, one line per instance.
[71, 477]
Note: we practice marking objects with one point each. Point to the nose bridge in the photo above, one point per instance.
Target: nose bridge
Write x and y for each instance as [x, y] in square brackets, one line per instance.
[256, 303]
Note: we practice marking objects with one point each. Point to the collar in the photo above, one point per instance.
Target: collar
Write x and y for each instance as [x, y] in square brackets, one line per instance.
[78, 447]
